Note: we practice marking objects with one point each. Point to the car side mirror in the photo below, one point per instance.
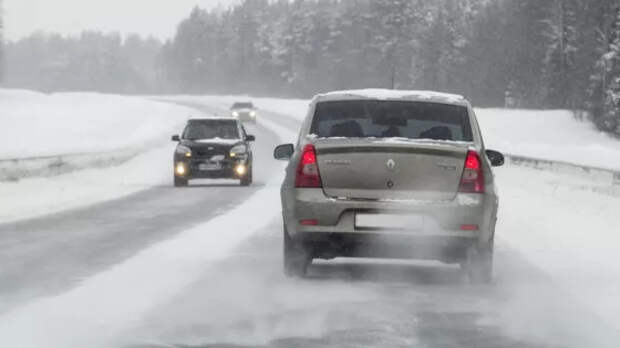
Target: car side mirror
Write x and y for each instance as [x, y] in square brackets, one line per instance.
[250, 138]
[284, 152]
[176, 138]
[496, 158]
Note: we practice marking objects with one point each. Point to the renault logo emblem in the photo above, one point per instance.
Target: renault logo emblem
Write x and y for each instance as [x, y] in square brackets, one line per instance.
[390, 164]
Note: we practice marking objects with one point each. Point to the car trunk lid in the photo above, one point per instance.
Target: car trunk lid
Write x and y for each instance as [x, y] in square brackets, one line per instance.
[381, 169]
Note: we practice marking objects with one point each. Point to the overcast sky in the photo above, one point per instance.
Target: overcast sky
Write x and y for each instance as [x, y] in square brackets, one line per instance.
[146, 17]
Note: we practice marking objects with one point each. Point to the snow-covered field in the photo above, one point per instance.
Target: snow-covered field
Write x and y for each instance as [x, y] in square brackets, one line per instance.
[100, 126]
[552, 135]
[36, 124]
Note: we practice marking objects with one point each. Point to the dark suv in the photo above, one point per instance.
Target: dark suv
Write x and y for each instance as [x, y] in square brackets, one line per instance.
[213, 148]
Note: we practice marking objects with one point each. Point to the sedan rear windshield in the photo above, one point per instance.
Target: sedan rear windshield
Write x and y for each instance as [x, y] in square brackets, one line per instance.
[391, 119]
[211, 129]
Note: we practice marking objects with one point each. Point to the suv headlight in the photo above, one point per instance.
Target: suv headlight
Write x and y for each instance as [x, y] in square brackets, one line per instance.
[184, 151]
[235, 114]
[252, 113]
[238, 150]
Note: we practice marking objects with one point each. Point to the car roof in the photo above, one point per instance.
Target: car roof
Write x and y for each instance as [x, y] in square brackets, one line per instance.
[393, 95]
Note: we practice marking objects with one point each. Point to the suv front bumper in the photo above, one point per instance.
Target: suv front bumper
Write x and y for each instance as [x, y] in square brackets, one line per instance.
[227, 169]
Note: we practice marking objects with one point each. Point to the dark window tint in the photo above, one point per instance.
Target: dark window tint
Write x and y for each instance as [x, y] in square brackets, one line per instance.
[391, 119]
[243, 106]
[211, 129]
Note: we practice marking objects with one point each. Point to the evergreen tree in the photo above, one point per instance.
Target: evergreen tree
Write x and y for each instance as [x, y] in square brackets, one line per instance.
[609, 117]
[562, 36]
[1, 41]
[393, 26]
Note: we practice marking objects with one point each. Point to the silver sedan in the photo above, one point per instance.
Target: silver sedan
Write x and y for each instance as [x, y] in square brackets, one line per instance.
[390, 174]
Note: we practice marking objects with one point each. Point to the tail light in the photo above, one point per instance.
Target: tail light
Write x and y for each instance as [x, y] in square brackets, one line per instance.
[469, 227]
[473, 177]
[308, 169]
[309, 222]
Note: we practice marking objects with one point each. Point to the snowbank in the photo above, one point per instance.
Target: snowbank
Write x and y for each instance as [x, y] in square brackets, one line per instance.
[554, 135]
[567, 227]
[34, 124]
[120, 145]
[37, 196]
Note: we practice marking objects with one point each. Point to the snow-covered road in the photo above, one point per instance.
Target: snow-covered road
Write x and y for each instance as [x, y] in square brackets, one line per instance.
[201, 267]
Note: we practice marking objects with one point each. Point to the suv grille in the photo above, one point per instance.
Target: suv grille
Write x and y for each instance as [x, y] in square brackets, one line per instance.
[212, 150]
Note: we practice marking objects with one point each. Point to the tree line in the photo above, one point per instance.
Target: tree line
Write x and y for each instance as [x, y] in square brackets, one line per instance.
[1, 41]
[92, 61]
[520, 53]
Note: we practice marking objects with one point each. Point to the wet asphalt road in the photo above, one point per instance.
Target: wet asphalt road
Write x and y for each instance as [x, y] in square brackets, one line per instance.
[245, 301]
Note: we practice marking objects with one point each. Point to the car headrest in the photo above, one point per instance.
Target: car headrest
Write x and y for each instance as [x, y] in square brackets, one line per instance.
[350, 129]
[437, 133]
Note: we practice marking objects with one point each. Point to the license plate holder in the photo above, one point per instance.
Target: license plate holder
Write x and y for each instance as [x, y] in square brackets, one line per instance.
[209, 166]
[389, 221]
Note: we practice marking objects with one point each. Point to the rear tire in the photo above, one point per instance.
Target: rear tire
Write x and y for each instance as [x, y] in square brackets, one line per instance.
[478, 266]
[296, 258]
[180, 182]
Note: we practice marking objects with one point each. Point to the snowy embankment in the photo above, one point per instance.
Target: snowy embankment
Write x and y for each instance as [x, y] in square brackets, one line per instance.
[117, 142]
[38, 125]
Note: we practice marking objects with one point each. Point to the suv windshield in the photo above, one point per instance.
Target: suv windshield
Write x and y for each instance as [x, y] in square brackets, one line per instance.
[211, 129]
[243, 106]
[391, 119]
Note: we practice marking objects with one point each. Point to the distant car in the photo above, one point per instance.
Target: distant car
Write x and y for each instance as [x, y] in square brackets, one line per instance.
[390, 174]
[245, 112]
[213, 148]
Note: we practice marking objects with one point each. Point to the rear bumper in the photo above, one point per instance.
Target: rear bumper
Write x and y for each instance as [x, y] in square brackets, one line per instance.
[449, 249]
[336, 234]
